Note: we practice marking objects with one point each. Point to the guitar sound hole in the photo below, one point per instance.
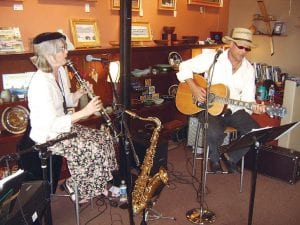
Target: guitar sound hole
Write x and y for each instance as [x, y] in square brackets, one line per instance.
[211, 98]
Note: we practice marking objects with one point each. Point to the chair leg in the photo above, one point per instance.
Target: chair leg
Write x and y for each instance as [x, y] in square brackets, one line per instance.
[206, 165]
[76, 203]
[77, 208]
[242, 174]
[194, 162]
[51, 174]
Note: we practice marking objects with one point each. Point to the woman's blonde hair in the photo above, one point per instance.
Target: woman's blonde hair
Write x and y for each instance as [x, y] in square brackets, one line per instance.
[43, 48]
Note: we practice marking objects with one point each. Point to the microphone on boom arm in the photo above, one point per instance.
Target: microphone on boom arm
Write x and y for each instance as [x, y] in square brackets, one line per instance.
[219, 52]
[90, 58]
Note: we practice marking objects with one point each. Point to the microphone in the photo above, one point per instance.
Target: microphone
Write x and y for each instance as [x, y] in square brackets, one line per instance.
[219, 52]
[90, 58]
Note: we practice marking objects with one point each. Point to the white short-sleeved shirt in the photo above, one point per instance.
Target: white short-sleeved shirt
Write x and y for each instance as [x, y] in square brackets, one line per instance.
[45, 101]
[241, 84]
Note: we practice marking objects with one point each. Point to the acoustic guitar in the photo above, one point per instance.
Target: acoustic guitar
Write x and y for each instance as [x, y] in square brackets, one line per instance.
[217, 98]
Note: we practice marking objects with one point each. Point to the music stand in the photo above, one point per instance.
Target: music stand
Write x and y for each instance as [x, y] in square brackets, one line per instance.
[255, 140]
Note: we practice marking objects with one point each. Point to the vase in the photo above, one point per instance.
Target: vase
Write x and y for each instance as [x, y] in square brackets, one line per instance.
[6, 95]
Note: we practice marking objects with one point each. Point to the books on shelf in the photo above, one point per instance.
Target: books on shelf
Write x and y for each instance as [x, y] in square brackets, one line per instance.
[266, 72]
[10, 40]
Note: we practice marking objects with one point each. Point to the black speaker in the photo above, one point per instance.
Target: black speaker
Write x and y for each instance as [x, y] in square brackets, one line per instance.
[142, 142]
[33, 202]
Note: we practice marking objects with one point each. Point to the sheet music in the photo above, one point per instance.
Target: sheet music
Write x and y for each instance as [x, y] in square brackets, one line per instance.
[288, 130]
[262, 128]
[257, 129]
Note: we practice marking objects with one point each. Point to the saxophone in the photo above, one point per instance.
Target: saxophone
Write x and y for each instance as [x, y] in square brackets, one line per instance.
[145, 186]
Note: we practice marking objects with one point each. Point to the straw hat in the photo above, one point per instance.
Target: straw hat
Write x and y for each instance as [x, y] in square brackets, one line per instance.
[241, 36]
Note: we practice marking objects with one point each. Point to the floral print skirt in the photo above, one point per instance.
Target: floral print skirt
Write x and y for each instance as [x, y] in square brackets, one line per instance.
[91, 159]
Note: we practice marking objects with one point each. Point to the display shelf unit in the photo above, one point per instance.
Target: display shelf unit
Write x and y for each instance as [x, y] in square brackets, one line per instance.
[142, 57]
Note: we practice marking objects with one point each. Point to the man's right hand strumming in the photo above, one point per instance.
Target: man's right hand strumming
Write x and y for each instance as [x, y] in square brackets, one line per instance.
[199, 93]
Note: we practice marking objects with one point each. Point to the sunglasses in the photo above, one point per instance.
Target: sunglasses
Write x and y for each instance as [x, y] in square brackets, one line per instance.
[242, 47]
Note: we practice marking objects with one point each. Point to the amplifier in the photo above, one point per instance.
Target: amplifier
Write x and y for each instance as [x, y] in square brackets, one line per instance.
[192, 132]
[277, 162]
[34, 203]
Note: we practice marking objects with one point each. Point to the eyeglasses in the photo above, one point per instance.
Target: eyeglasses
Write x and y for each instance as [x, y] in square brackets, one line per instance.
[242, 47]
[61, 48]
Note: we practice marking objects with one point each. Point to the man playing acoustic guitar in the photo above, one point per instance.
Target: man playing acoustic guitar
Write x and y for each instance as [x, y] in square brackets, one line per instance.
[232, 71]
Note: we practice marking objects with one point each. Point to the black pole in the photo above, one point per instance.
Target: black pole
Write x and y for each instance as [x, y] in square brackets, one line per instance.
[253, 181]
[44, 155]
[125, 49]
[125, 67]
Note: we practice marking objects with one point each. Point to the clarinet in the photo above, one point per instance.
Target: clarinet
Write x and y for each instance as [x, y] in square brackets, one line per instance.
[83, 84]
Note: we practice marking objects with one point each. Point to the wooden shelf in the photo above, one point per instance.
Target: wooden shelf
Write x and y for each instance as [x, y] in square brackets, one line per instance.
[268, 35]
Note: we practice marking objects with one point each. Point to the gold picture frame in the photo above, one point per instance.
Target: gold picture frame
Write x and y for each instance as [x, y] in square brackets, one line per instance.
[136, 5]
[167, 5]
[212, 3]
[141, 31]
[85, 33]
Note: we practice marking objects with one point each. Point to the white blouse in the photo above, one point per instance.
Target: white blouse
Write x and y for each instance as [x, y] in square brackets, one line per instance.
[241, 84]
[45, 101]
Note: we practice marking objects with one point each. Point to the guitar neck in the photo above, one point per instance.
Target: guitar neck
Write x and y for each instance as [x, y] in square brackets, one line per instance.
[228, 101]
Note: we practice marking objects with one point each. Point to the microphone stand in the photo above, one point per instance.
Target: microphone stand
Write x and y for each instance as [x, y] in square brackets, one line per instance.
[204, 215]
[126, 143]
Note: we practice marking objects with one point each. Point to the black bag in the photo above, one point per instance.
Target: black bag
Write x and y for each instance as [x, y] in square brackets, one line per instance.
[277, 162]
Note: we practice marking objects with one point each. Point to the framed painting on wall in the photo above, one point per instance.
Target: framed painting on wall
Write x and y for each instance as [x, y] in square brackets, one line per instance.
[85, 33]
[140, 31]
[167, 5]
[136, 5]
[212, 3]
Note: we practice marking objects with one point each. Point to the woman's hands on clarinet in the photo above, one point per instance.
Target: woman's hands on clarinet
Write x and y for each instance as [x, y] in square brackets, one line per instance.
[93, 107]
[81, 91]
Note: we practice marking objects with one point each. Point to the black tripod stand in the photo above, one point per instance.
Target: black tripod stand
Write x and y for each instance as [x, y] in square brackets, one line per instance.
[255, 140]
[44, 154]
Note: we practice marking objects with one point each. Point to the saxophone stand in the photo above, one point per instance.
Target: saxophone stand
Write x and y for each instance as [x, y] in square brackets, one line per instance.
[149, 213]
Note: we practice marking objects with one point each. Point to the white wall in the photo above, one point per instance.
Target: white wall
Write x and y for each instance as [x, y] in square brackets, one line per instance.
[287, 47]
